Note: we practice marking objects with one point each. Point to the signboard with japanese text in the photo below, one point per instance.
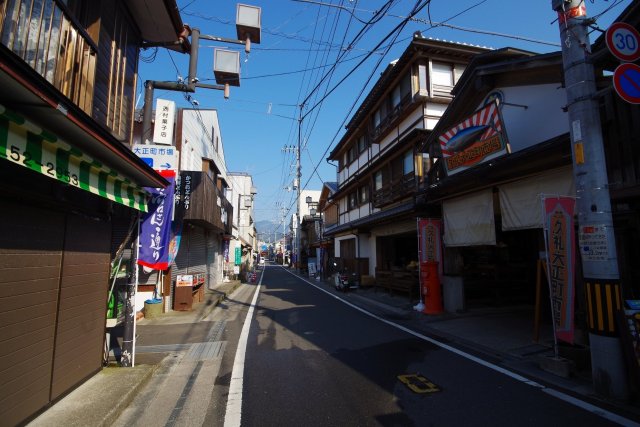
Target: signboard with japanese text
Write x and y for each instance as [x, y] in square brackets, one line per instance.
[184, 280]
[155, 226]
[37, 149]
[560, 239]
[238, 256]
[164, 121]
[593, 242]
[430, 243]
[477, 139]
[159, 157]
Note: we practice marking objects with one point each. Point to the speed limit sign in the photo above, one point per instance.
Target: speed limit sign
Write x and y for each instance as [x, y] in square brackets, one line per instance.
[623, 40]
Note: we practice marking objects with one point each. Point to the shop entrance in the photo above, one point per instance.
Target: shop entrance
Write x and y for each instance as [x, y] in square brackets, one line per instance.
[504, 274]
[399, 251]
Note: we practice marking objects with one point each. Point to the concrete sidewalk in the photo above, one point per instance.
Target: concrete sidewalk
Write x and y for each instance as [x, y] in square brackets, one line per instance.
[100, 400]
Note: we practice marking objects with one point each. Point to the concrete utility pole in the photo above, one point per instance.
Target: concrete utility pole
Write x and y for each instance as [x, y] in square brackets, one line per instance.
[601, 275]
[298, 178]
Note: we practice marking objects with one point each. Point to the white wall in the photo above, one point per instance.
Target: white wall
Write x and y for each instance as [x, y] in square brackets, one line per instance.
[544, 105]
[200, 133]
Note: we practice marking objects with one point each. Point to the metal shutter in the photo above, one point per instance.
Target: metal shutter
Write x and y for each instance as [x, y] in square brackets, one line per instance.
[83, 303]
[31, 242]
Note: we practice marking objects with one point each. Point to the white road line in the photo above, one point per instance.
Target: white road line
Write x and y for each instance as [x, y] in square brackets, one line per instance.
[558, 394]
[233, 415]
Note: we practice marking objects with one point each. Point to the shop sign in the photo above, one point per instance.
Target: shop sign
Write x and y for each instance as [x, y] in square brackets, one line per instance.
[430, 243]
[155, 228]
[475, 140]
[238, 256]
[29, 146]
[165, 118]
[185, 280]
[158, 157]
[560, 236]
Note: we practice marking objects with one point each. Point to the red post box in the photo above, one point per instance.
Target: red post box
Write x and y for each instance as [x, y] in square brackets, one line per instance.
[431, 289]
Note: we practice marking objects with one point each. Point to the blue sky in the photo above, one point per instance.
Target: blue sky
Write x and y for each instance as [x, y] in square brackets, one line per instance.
[260, 118]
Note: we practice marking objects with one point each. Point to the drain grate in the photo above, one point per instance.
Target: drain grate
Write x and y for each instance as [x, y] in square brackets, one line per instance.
[162, 348]
[206, 351]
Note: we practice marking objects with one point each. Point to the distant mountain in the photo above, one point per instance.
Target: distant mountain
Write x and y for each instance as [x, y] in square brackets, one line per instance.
[267, 228]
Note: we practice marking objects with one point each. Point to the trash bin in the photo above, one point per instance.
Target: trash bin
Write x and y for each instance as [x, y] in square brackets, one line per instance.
[152, 308]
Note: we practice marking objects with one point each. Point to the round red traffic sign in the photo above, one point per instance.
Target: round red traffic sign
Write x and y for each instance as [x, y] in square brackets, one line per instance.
[623, 40]
[626, 81]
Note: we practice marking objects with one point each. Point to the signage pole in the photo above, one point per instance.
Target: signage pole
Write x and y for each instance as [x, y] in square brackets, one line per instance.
[596, 234]
[127, 357]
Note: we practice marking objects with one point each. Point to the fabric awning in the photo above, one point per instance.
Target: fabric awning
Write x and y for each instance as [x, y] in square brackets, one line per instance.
[521, 201]
[27, 145]
[468, 220]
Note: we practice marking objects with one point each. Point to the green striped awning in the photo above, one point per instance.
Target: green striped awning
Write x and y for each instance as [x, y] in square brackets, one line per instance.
[26, 144]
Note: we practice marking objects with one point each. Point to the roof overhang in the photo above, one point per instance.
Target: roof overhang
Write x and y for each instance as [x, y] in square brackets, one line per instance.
[159, 21]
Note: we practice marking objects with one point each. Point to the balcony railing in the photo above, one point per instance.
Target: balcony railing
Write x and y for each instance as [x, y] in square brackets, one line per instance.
[201, 203]
[394, 190]
[40, 33]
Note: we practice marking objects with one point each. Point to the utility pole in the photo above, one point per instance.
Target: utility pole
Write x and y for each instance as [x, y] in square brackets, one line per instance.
[298, 179]
[601, 276]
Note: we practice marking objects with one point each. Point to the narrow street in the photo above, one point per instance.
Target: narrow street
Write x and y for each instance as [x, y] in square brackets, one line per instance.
[311, 359]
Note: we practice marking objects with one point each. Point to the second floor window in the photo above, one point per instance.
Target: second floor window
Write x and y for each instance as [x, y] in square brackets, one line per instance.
[377, 180]
[407, 163]
[53, 44]
[442, 74]
[353, 200]
[363, 194]
[362, 143]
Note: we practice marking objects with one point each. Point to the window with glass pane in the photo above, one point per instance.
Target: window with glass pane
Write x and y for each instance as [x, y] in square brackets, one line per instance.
[377, 180]
[423, 87]
[442, 74]
[364, 194]
[396, 97]
[353, 200]
[56, 46]
[405, 86]
[408, 163]
[362, 143]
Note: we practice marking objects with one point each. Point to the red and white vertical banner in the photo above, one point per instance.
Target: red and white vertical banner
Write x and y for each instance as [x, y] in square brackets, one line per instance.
[430, 241]
[560, 238]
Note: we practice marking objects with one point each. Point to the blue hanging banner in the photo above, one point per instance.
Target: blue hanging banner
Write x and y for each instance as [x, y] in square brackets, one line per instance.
[155, 229]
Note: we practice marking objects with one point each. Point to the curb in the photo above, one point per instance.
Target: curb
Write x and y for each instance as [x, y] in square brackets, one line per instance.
[217, 299]
[127, 397]
[90, 405]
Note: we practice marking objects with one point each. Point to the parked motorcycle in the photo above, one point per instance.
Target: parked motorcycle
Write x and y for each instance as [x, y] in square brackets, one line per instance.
[343, 281]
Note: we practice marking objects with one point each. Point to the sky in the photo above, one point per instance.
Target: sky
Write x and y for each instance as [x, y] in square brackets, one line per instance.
[301, 41]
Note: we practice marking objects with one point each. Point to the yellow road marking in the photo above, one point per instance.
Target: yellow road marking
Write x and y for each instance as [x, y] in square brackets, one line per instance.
[418, 384]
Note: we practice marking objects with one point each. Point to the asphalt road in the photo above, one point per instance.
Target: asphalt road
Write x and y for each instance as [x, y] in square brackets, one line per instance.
[312, 360]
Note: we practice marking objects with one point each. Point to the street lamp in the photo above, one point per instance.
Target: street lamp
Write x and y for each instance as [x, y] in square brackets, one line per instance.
[226, 72]
[248, 24]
